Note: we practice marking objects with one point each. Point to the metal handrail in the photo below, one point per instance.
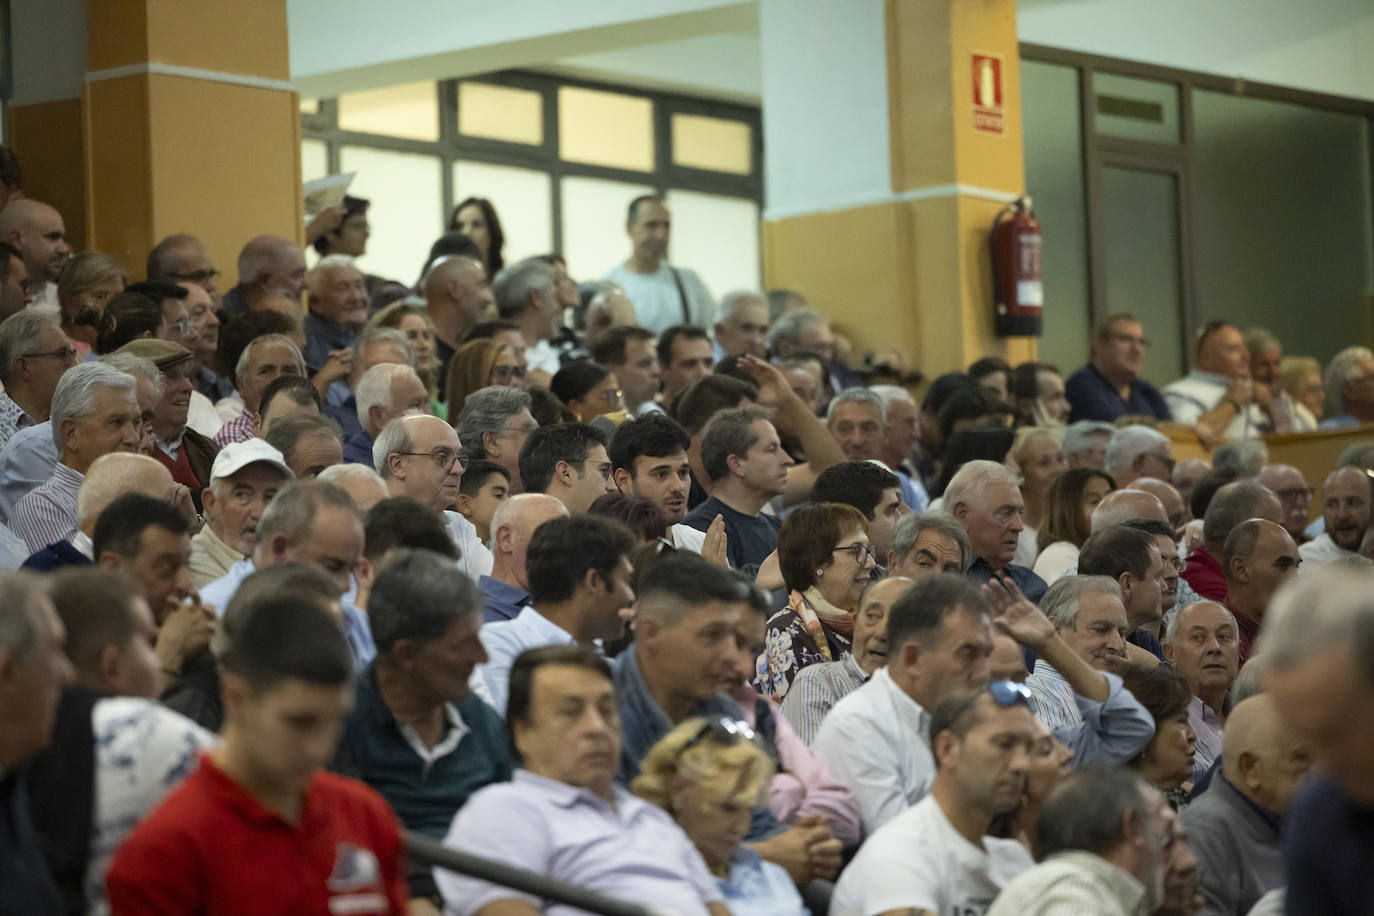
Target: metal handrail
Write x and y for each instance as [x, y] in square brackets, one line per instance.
[431, 852]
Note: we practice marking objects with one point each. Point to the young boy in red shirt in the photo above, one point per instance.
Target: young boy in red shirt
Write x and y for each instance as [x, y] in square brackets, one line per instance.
[260, 827]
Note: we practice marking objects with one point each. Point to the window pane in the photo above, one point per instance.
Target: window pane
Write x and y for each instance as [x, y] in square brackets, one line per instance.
[406, 191]
[314, 160]
[1282, 197]
[522, 201]
[606, 128]
[310, 106]
[409, 111]
[1140, 211]
[594, 237]
[718, 237]
[501, 113]
[712, 143]
[1051, 119]
[1135, 109]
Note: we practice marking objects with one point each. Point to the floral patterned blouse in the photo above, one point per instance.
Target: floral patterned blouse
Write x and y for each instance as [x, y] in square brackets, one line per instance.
[790, 647]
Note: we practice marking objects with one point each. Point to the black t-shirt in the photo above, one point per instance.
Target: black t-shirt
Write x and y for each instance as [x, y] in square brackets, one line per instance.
[749, 539]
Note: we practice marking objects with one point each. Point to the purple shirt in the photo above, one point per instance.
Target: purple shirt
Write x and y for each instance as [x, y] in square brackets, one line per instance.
[48, 514]
[633, 851]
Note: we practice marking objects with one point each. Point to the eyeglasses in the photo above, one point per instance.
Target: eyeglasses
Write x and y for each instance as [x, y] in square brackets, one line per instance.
[610, 396]
[603, 468]
[199, 277]
[857, 551]
[1295, 492]
[1178, 563]
[66, 354]
[724, 731]
[443, 457]
[506, 374]
[1004, 693]
[525, 428]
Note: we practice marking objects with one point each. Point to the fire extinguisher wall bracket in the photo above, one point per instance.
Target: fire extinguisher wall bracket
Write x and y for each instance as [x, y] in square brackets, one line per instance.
[1017, 287]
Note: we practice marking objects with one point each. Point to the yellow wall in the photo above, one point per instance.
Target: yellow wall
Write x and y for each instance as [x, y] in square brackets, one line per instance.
[47, 138]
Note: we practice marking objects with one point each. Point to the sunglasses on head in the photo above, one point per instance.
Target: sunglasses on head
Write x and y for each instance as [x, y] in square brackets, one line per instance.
[724, 731]
[1004, 693]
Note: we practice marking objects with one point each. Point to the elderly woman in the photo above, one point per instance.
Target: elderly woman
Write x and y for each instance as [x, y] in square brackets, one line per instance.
[87, 282]
[708, 774]
[1067, 521]
[411, 318]
[478, 364]
[1038, 457]
[1167, 761]
[826, 562]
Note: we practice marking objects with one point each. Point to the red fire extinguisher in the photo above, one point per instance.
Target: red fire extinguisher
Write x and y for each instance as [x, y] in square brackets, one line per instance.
[1017, 287]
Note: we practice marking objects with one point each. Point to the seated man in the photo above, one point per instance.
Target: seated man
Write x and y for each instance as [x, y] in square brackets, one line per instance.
[1295, 496]
[927, 543]
[1085, 443]
[1131, 559]
[494, 424]
[110, 477]
[579, 576]
[362, 484]
[374, 347]
[286, 396]
[337, 309]
[183, 451]
[115, 752]
[1217, 396]
[1137, 451]
[628, 351]
[507, 589]
[1105, 835]
[1346, 514]
[1110, 386]
[416, 734]
[267, 263]
[243, 480]
[309, 443]
[286, 684]
[649, 459]
[817, 688]
[985, 498]
[568, 462]
[417, 456]
[1076, 694]
[1345, 382]
[385, 392]
[484, 486]
[566, 728]
[1233, 827]
[94, 412]
[936, 857]
[262, 362]
[901, 443]
[1260, 557]
[747, 467]
[1231, 504]
[870, 488]
[857, 420]
[684, 356]
[33, 355]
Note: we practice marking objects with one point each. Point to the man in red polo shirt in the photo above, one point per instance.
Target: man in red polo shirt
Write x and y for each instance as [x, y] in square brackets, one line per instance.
[260, 827]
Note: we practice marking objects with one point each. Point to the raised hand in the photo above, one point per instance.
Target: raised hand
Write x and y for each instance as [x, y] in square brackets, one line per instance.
[1013, 613]
[713, 548]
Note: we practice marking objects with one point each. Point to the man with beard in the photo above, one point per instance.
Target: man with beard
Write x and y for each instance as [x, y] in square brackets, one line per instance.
[1345, 509]
[649, 459]
[935, 857]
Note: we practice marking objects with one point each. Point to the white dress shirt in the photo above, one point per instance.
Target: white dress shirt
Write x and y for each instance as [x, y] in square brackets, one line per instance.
[474, 559]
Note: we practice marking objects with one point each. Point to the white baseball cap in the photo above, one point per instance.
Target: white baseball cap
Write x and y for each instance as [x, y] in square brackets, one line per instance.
[238, 455]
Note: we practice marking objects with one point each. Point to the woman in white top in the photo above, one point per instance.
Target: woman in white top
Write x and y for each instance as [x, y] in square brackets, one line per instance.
[1039, 458]
[1068, 519]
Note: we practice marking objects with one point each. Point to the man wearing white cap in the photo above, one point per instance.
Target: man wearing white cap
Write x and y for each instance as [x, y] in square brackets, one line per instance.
[243, 480]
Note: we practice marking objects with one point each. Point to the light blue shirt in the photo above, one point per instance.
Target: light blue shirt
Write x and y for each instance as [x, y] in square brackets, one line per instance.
[913, 492]
[759, 888]
[506, 639]
[27, 460]
[632, 850]
[356, 628]
[1104, 733]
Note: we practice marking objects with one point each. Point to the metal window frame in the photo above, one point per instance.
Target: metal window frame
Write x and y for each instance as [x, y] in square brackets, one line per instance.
[1175, 159]
[544, 157]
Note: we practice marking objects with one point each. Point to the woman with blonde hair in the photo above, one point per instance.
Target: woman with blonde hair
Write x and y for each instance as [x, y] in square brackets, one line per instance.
[709, 775]
[411, 318]
[476, 365]
[1038, 457]
[86, 283]
[1300, 382]
[826, 562]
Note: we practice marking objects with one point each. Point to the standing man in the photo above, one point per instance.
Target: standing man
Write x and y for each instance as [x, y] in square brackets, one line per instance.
[33, 355]
[243, 480]
[741, 325]
[663, 296]
[684, 356]
[458, 295]
[1110, 386]
[36, 231]
[1218, 396]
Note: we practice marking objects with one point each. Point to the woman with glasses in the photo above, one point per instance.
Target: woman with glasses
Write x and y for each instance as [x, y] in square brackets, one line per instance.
[709, 775]
[1067, 519]
[826, 562]
[87, 282]
[478, 364]
[412, 320]
[588, 388]
[1039, 458]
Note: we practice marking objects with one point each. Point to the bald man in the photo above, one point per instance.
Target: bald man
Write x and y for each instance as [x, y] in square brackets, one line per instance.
[1121, 506]
[1232, 504]
[507, 587]
[1295, 496]
[266, 264]
[109, 477]
[1218, 396]
[37, 232]
[1201, 643]
[1168, 497]
[1233, 827]
[1346, 511]
[458, 293]
[1185, 478]
[1259, 556]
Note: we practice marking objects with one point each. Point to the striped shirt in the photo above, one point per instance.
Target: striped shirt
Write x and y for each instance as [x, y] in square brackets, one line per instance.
[239, 429]
[48, 513]
[1054, 698]
[1073, 883]
[815, 691]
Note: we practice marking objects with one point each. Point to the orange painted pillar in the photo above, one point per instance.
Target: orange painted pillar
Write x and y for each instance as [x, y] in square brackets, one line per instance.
[185, 122]
[886, 228]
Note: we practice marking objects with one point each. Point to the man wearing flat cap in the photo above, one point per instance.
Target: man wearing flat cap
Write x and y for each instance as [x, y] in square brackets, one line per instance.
[182, 450]
[243, 480]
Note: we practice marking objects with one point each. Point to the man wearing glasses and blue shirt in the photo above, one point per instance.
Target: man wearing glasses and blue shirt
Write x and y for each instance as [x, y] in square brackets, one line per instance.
[33, 355]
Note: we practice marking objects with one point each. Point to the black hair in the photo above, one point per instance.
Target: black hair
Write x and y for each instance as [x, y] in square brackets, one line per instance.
[11, 176]
[239, 332]
[288, 638]
[705, 397]
[298, 388]
[942, 388]
[641, 515]
[547, 409]
[522, 672]
[496, 236]
[966, 404]
[921, 610]
[986, 366]
[990, 443]
[684, 579]
[574, 379]
[634, 206]
[548, 445]
[402, 522]
[609, 348]
[120, 527]
[1206, 488]
[653, 435]
[1152, 526]
[352, 207]
[477, 472]
[860, 484]
[131, 314]
[561, 550]
[670, 336]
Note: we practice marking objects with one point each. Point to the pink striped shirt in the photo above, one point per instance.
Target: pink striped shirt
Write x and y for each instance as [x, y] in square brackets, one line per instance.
[48, 513]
